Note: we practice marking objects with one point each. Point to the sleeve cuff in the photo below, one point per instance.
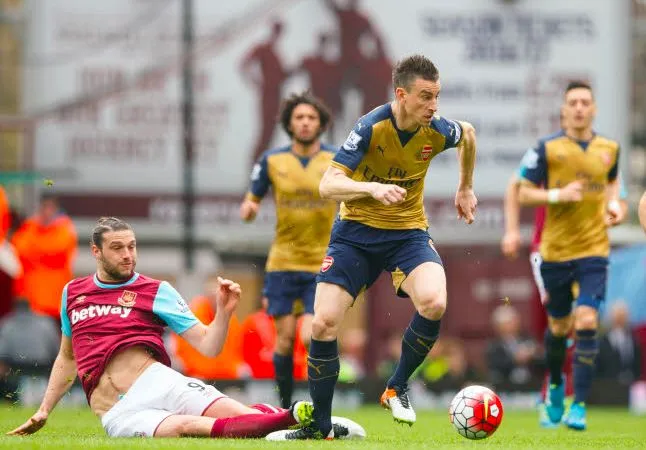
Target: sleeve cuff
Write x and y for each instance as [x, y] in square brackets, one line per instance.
[340, 166]
[253, 198]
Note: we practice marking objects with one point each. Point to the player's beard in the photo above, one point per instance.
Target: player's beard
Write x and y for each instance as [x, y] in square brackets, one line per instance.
[112, 270]
[307, 142]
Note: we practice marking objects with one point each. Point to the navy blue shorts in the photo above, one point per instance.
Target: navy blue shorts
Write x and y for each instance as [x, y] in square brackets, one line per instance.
[357, 254]
[289, 293]
[590, 274]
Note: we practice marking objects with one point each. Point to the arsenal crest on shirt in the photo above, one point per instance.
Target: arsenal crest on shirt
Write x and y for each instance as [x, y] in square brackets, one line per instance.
[127, 299]
[427, 150]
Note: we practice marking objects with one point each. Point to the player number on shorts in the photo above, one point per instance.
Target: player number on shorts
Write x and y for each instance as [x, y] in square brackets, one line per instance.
[194, 385]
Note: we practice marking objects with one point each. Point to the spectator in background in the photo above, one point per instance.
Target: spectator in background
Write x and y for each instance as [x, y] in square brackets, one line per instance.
[512, 356]
[228, 365]
[28, 346]
[619, 352]
[353, 346]
[446, 366]
[259, 341]
[46, 245]
[390, 360]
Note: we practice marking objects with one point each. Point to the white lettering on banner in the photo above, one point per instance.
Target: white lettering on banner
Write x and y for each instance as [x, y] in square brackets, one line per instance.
[99, 311]
[487, 56]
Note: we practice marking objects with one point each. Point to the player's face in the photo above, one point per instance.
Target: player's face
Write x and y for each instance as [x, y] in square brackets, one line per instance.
[579, 108]
[305, 124]
[420, 101]
[118, 255]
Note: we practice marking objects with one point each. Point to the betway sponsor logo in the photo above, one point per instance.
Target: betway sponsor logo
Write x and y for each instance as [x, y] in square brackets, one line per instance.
[99, 311]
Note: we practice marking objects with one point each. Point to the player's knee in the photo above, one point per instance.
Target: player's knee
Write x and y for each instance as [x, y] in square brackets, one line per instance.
[433, 304]
[285, 343]
[324, 327]
[585, 318]
[187, 427]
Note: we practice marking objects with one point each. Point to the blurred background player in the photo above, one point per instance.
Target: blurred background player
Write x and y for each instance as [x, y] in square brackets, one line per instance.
[378, 174]
[304, 222]
[510, 246]
[115, 344]
[573, 172]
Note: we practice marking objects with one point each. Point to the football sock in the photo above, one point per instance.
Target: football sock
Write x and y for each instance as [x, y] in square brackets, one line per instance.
[265, 408]
[284, 367]
[555, 347]
[322, 373]
[417, 341]
[586, 348]
[252, 425]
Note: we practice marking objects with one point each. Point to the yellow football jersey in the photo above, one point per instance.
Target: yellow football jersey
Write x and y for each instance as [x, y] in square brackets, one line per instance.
[573, 230]
[377, 151]
[303, 219]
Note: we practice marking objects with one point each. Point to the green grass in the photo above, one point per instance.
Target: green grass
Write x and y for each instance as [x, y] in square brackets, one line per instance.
[72, 429]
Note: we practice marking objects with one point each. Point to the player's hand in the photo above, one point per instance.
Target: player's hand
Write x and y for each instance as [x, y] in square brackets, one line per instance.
[465, 203]
[228, 296]
[510, 244]
[615, 214]
[573, 192]
[249, 210]
[388, 194]
[35, 423]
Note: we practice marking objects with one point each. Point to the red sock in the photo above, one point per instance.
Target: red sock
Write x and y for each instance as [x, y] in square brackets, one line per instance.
[252, 425]
[267, 409]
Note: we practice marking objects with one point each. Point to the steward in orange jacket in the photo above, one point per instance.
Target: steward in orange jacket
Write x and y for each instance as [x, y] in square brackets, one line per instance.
[46, 245]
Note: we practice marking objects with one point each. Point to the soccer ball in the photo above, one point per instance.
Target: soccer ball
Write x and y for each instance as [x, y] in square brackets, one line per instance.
[476, 412]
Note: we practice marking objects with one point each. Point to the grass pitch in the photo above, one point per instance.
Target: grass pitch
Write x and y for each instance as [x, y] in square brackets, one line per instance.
[72, 429]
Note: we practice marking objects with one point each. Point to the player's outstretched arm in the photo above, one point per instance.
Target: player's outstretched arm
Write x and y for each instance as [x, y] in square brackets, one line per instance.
[465, 199]
[60, 380]
[511, 239]
[642, 211]
[209, 339]
[336, 185]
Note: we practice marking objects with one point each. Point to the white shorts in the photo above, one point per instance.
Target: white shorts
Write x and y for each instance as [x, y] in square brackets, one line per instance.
[535, 260]
[159, 392]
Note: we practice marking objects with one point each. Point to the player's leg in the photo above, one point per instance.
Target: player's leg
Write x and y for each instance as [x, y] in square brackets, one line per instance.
[592, 276]
[331, 303]
[284, 357]
[417, 273]
[242, 426]
[558, 278]
[281, 292]
[535, 261]
[345, 272]
[189, 397]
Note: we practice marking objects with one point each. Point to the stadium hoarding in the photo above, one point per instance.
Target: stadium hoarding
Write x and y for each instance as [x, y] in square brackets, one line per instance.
[116, 68]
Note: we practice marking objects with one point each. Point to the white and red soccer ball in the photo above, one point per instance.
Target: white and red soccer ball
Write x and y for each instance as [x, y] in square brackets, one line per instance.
[476, 412]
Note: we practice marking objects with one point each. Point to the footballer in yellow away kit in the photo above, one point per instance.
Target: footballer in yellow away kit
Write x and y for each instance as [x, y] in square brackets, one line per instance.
[303, 225]
[378, 175]
[574, 173]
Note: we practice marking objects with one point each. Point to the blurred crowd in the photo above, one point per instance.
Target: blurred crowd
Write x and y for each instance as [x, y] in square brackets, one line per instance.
[37, 255]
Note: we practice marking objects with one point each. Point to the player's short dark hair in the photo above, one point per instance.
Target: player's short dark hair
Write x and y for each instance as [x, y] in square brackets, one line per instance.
[416, 66]
[577, 84]
[105, 225]
[306, 97]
